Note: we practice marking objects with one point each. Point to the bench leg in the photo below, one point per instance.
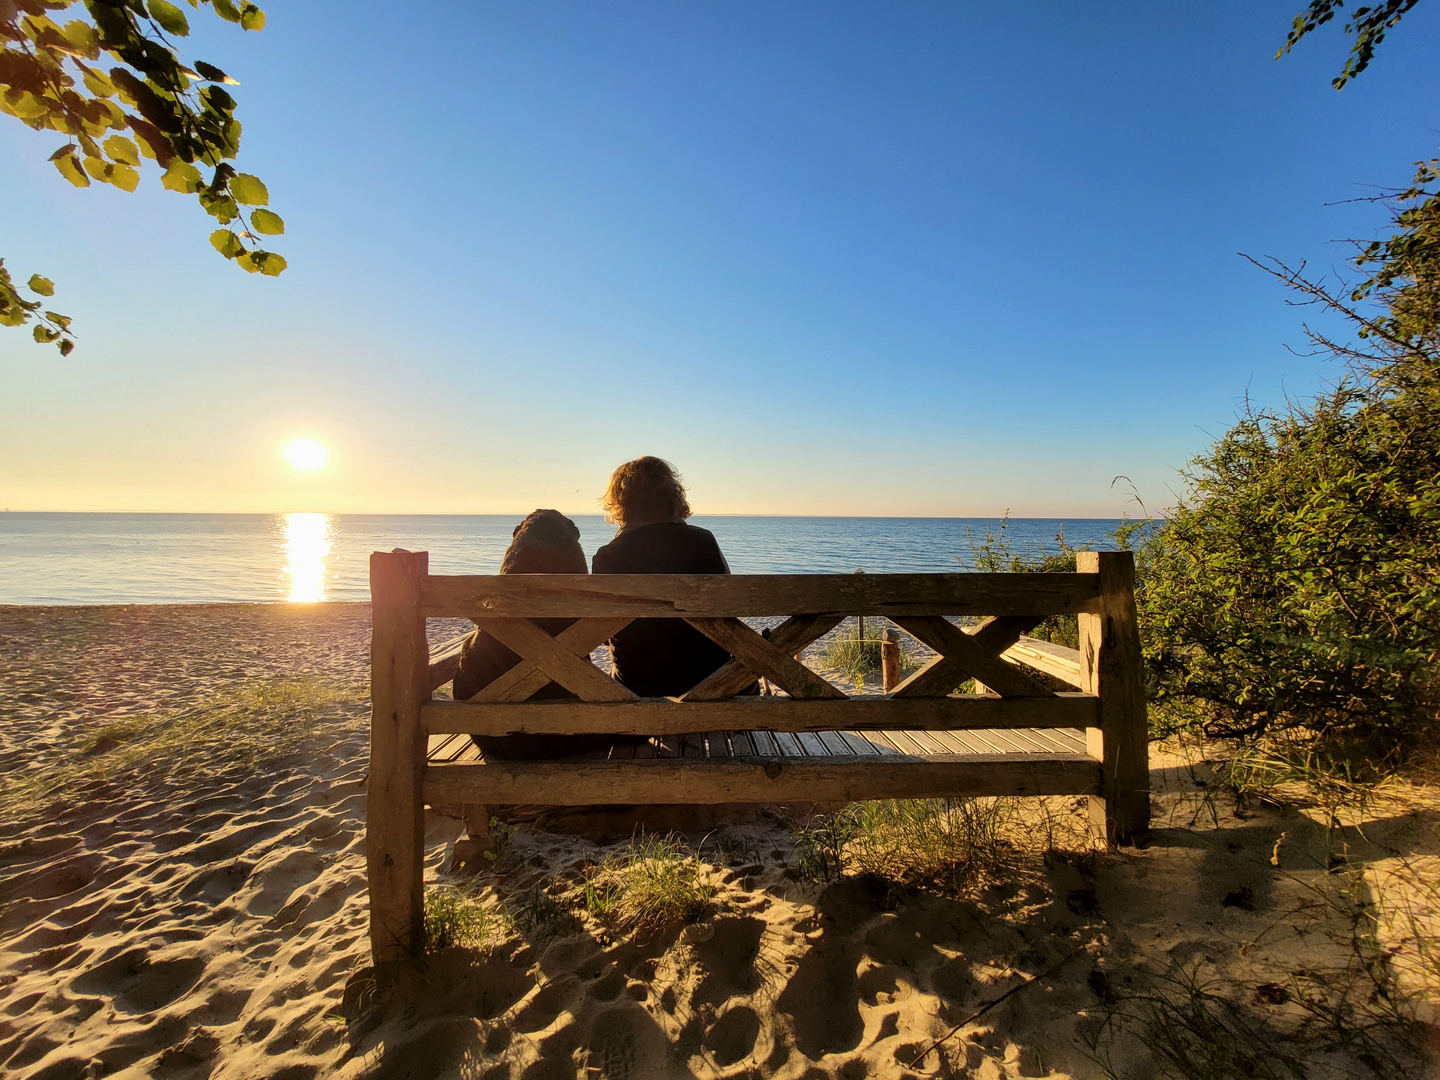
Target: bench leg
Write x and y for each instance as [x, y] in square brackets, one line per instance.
[468, 855]
[477, 820]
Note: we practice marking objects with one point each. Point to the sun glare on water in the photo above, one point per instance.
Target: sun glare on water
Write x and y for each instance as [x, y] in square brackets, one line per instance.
[305, 454]
[307, 543]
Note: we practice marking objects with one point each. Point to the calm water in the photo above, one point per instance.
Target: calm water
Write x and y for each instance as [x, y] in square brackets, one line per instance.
[192, 558]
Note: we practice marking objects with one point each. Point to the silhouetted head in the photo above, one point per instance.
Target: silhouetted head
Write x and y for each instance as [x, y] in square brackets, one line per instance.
[644, 491]
[546, 542]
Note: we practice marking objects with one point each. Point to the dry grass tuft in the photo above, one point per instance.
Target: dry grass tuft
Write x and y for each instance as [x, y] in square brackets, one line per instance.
[950, 845]
[454, 918]
[238, 730]
[654, 883]
[857, 657]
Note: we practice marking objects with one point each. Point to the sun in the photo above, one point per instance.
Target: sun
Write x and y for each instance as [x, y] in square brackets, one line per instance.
[305, 454]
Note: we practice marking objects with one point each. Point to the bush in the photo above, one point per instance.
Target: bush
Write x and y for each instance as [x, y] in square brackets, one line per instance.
[1296, 587]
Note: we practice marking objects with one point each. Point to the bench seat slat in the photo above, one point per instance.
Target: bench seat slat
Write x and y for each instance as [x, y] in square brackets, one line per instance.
[686, 780]
[664, 716]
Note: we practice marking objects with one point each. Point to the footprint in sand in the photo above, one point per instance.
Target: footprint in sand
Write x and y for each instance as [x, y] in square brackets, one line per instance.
[729, 960]
[732, 1038]
[139, 984]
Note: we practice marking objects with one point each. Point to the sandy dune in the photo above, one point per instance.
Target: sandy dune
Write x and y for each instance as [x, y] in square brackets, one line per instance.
[201, 913]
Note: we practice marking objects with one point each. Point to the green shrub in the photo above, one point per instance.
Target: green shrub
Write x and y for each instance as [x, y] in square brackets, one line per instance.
[1296, 586]
[1298, 583]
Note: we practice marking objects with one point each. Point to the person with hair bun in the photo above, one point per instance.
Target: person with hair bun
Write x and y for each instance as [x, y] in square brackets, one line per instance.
[658, 657]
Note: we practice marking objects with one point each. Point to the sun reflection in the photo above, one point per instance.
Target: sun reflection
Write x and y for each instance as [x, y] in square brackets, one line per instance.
[307, 542]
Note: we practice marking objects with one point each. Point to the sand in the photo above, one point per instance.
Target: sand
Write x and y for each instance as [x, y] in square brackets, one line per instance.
[185, 897]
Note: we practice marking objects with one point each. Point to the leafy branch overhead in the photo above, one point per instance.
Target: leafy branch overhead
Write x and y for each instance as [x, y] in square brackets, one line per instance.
[114, 86]
[1368, 27]
[15, 310]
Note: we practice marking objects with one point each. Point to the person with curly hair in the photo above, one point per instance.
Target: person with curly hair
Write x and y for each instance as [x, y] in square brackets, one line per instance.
[646, 498]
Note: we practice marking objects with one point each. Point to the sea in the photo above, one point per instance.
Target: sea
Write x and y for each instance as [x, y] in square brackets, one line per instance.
[55, 558]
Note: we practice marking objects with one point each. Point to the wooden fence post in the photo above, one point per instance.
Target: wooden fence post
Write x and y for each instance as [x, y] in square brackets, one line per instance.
[394, 812]
[1110, 666]
[890, 659]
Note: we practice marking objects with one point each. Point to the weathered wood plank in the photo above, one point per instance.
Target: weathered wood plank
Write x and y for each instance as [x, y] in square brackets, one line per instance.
[945, 673]
[395, 817]
[790, 637]
[811, 745]
[789, 745]
[526, 677]
[445, 661]
[1111, 668]
[664, 716]
[970, 654]
[1057, 661]
[685, 780]
[722, 596]
[763, 658]
[577, 675]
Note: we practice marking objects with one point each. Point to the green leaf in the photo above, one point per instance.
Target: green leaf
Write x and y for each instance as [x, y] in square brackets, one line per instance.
[267, 222]
[226, 10]
[226, 243]
[122, 149]
[123, 176]
[214, 74]
[69, 167]
[252, 18]
[171, 19]
[98, 84]
[43, 286]
[271, 265]
[82, 36]
[222, 210]
[248, 190]
[62, 321]
[181, 177]
[28, 107]
[44, 335]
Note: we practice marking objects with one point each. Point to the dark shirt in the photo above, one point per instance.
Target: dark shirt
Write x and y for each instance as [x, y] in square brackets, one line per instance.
[663, 657]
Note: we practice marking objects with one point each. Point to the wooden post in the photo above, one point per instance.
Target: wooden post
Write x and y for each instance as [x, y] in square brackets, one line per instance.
[860, 621]
[394, 812]
[890, 659]
[1110, 667]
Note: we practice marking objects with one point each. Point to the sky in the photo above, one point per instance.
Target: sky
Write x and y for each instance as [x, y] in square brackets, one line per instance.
[925, 258]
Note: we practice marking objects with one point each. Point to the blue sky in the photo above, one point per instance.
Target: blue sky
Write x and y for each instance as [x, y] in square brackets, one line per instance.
[920, 258]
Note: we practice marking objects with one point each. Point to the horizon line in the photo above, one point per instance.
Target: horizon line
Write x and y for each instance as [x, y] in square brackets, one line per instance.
[596, 513]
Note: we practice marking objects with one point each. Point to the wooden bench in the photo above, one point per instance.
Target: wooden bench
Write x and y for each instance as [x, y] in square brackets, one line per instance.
[811, 743]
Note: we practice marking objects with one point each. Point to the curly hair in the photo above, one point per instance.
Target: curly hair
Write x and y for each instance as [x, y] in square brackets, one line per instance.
[645, 490]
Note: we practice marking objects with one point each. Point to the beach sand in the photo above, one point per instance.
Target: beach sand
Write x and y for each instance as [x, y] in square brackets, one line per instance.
[182, 894]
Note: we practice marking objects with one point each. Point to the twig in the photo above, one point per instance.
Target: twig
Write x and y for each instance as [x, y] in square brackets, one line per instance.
[996, 1001]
